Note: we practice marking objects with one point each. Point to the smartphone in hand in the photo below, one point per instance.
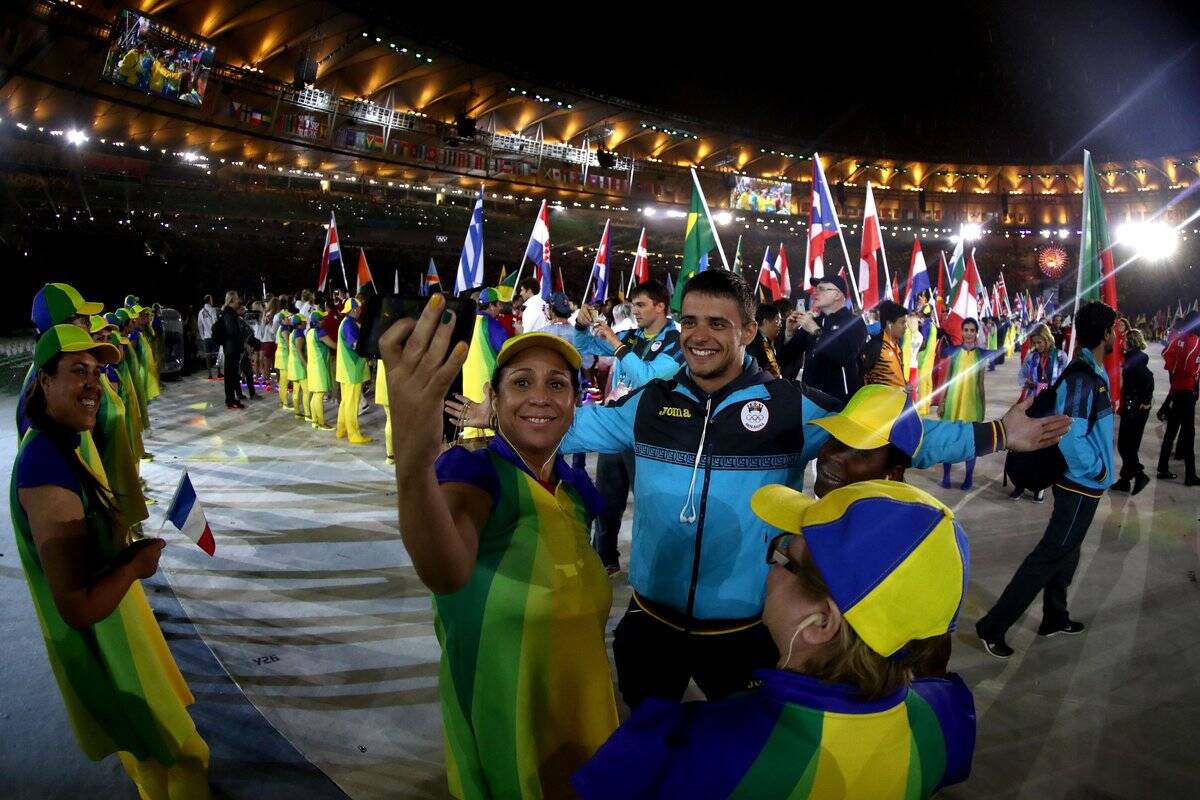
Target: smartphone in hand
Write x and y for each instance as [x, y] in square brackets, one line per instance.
[382, 310]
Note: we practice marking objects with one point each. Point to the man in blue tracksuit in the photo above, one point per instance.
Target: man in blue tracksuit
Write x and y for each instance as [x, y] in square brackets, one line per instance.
[703, 442]
[639, 356]
[1088, 451]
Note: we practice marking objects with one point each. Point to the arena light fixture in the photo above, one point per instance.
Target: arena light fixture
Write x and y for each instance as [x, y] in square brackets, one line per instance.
[1063, 233]
[1152, 241]
[649, 211]
[722, 217]
[76, 137]
[971, 231]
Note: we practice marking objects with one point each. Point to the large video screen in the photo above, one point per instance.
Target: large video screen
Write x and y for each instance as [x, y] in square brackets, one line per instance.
[761, 197]
[146, 55]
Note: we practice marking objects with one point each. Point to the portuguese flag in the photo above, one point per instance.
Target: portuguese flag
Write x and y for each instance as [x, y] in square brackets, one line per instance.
[1096, 278]
[698, 240]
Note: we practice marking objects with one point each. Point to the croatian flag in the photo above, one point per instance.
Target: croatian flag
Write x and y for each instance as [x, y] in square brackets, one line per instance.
[331, 253]
[600, 269]
[186, 514]
[822, 225]
[470, 263]
[538, 250]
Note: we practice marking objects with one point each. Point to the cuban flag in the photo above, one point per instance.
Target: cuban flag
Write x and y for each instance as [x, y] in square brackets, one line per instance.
[600, 269]
[186, 514]
[822, 225]
[331, 253]
[470, 263]
[538, 250]
[918, 277]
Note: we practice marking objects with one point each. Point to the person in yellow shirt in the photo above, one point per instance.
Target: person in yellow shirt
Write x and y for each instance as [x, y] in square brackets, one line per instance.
[351, 370]
[130, 66]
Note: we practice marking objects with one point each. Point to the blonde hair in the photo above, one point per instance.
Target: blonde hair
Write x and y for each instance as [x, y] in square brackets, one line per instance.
[230, 296]
[1136, 339]
[1042, 330]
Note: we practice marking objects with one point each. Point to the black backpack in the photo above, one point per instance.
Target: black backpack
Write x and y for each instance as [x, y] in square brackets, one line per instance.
[1039, 469]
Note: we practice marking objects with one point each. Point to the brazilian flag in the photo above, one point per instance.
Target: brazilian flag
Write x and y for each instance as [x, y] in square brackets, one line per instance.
[698, 240]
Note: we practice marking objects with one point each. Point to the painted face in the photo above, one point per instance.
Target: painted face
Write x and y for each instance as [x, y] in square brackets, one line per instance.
[713, 336]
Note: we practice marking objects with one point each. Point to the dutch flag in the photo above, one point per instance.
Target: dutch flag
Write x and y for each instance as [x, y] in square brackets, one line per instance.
[186, 514]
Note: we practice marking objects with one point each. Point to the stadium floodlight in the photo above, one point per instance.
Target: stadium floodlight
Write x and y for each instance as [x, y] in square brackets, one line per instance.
[649, 211]
[76, 137]
[722, 218]
[1152, 241]
[971, 231]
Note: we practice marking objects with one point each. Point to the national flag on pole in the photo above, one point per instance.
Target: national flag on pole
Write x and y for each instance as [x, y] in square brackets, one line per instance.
[538, 250]
[1096, 278]
[941, 277]
[641, 265]
[559, 286]
[966, 303]
[698, 240]
[767, 284]
[894, 289]
[737, 257]
[918, 277]
[364, 272]
[506, 287]
[1004, 295]
[958, 265]
[868, 266]
[782, 279]
[599, 277]
[670, 284]
[429, 280]
[703, 263]
[470, 263]
[822, 225]
[186, 514]
[331, 253]
[396, 281]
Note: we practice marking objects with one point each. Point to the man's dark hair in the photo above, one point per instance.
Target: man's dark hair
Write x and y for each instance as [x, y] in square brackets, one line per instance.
[785, 306]
[530, 284]
[208, 299]
[971, 321]
[889, 312]
[1093, 321]
[654, 291]
[722, 283]
[765, 312]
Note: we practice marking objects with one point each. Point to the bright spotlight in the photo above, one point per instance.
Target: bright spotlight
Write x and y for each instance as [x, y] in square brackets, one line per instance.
[1149, 240]
[971, 231]
[722, 218]
[1063, 233]
[76, 137]
[649, 211]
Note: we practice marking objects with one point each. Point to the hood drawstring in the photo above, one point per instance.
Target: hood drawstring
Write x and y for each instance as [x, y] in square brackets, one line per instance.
[686, 516]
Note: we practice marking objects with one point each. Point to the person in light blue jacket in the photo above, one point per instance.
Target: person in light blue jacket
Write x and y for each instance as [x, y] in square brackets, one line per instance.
[704, 441]
[1085, 396]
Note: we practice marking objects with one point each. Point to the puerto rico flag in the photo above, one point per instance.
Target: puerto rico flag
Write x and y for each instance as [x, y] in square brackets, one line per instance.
[186, 514]
[331, 253]
[822, 225]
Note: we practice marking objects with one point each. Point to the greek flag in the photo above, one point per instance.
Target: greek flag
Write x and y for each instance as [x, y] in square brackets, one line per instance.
[470, 263]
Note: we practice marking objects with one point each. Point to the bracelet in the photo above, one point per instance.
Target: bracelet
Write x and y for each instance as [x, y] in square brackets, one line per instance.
[617, 354]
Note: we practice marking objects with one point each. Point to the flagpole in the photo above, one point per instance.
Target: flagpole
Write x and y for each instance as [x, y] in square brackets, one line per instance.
[887, 276]
[806, 278]
[842, 239]
[1087, 165]
[525, 255]
[588, 287]
[708, 214]
[633, 272]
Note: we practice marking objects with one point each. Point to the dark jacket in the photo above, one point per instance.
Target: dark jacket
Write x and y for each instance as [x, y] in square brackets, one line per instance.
[1137, 382]
[831, 354]
[232, 321]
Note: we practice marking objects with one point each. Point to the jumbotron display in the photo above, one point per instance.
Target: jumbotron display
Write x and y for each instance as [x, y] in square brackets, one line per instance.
[144, 54]
[761, 197]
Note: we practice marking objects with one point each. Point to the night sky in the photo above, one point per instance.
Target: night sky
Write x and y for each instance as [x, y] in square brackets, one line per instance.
[1014, 82]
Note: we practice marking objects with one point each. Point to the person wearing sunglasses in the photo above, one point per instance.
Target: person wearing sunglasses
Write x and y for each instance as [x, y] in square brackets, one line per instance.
[852, 606]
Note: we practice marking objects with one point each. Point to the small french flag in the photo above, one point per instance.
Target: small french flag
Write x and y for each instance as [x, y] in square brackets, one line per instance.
[186, 514]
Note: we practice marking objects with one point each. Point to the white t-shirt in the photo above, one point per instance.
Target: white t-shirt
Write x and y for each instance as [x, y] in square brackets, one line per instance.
[533, 315]
[205, 320]
[303, 308]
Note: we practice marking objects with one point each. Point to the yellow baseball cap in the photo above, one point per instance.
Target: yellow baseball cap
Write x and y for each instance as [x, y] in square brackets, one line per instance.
[875, 416]
[518, 344]
[350, 305]
[71, 339]
[893, 582]
[99, 323]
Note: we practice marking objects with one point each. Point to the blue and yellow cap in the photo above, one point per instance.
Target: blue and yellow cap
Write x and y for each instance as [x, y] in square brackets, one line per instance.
[315, 318]
[350, 305]
[131, 300]
[875, 416]
[71, 339]
[55, 303]
[297, 319]
[488, 296]
[893, 583]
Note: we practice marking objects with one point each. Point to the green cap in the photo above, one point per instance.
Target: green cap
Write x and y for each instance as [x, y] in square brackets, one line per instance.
[55, 303]
[71, 339]
[99, 323]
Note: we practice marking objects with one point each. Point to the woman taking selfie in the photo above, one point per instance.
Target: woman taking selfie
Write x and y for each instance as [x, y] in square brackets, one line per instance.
[500, 536]
[122, 690]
